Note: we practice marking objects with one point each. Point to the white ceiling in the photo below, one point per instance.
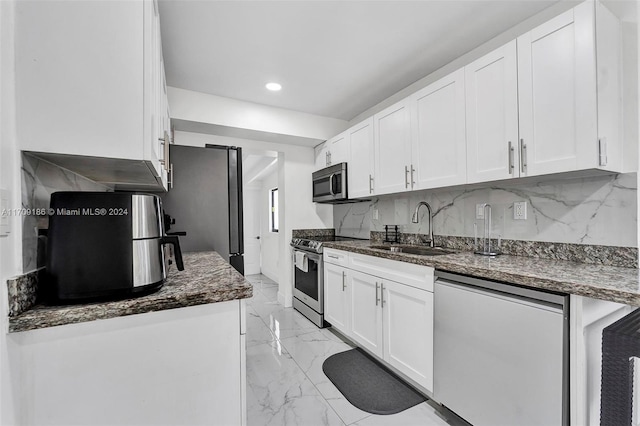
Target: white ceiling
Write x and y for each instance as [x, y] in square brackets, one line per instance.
[333, 58]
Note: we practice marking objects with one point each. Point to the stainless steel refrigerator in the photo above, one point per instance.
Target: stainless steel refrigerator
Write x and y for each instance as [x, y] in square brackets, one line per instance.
[206, 200]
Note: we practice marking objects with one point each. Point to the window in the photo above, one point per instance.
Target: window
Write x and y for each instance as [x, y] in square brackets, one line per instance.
[273, 210]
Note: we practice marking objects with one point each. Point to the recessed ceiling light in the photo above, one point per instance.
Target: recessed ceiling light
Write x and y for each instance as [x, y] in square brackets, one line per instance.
[274, 87]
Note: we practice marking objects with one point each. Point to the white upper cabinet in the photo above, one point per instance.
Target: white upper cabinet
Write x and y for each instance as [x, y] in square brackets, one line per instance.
[89, 84]
[438, 134]
[557, 88]
[322, 155]
[338, 149]
[492, 115]
[333, 151]
[360, 163]
[549, 102]
[392, 149]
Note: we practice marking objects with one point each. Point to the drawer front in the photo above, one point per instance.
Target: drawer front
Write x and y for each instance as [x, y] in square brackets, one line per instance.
[417, 276]
[336, 257]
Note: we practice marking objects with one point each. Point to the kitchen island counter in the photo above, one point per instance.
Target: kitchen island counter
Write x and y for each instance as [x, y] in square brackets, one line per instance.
[609, 283]
[207, 278]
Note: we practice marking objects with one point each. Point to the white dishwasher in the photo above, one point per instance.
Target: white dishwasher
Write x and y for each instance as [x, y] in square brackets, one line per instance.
[501, 352]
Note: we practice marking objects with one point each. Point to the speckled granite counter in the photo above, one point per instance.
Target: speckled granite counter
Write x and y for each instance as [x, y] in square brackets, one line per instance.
[615, 284]
[206, 278]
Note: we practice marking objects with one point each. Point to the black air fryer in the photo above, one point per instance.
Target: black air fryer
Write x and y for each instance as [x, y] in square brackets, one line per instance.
[106, 245]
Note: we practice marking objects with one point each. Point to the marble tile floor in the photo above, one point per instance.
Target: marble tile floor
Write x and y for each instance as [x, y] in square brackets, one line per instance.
[285, 381]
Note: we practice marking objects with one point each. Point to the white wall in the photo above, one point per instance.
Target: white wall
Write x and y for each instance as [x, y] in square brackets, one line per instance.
[270, 240]
[10, 259]
[295, 165]
[215, 110]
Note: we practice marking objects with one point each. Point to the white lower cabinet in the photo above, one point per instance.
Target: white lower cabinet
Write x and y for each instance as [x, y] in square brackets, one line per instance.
[336, 302]
[366, 312]
[389, 314]
[408, 331]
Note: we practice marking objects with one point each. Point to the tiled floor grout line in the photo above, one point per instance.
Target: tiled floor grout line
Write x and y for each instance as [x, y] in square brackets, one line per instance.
[263, 292]
[314, 385]
[302, 370]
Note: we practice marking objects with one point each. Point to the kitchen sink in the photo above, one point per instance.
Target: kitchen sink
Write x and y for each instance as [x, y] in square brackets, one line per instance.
[421, 251]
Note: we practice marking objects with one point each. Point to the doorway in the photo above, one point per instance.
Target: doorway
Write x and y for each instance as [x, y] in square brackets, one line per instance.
[260, 178]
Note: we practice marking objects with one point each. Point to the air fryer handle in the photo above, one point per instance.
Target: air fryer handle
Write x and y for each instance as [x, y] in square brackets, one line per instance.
[175, 242]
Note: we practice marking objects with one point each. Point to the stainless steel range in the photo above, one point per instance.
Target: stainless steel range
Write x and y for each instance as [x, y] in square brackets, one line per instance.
[308, 276]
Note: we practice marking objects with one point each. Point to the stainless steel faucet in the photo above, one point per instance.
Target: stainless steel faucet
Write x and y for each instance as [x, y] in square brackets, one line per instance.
[414, 219]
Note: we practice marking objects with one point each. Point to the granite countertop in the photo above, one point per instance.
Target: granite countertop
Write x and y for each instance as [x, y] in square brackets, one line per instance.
[207, 278]
[611, 283]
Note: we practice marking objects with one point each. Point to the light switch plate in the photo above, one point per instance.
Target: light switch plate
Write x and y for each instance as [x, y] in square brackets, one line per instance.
[479, 211]
[520, 210]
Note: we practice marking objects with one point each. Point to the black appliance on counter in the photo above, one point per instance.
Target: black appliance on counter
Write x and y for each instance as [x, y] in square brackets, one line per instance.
[106, 245]
[206, 200]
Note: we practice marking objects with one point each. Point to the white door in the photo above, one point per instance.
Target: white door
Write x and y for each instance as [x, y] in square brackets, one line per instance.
[407, 315]
[392, 141]
[360, 162]
[557, 94]
[335, 297]
[438, 133]
[251, 212]
[366, 311]
[491, 88]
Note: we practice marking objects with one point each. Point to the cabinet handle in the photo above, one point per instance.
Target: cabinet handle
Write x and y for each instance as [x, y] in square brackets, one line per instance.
[377, 297]
[382, 295]
[406, 177]
[370, 184]
[329, 158]
[510, 155]
[343, 283]
[412, 172]
[602, 152]
[170, 176]
[333, 257]
[523, 156]
[326, 158]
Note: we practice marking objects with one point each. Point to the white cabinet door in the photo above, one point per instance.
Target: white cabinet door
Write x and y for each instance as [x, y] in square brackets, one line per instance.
[360, 163]
[438, 133]
[408, 331]
[79, 77]
[366, 311]
[392, 141]
[557, 94]
[322, 156]
[492, 115]
[338, 149]
[336, 300]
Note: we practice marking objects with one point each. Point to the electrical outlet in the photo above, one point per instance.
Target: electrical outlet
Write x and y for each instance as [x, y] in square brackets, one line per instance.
[520, 210]
[479, 211]
[376, 214]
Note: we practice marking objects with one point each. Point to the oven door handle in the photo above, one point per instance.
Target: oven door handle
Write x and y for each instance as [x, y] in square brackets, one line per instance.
[311, 255]
[331, 184]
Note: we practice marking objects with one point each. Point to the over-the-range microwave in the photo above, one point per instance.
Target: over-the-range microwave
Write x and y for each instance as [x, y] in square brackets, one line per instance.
[330, 184]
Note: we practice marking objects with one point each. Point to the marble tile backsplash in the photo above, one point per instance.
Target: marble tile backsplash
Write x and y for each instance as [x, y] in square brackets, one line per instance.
[598, 210]
[39, 180]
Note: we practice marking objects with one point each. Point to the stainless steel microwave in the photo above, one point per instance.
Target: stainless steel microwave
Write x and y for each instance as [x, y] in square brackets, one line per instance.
[330, 184]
